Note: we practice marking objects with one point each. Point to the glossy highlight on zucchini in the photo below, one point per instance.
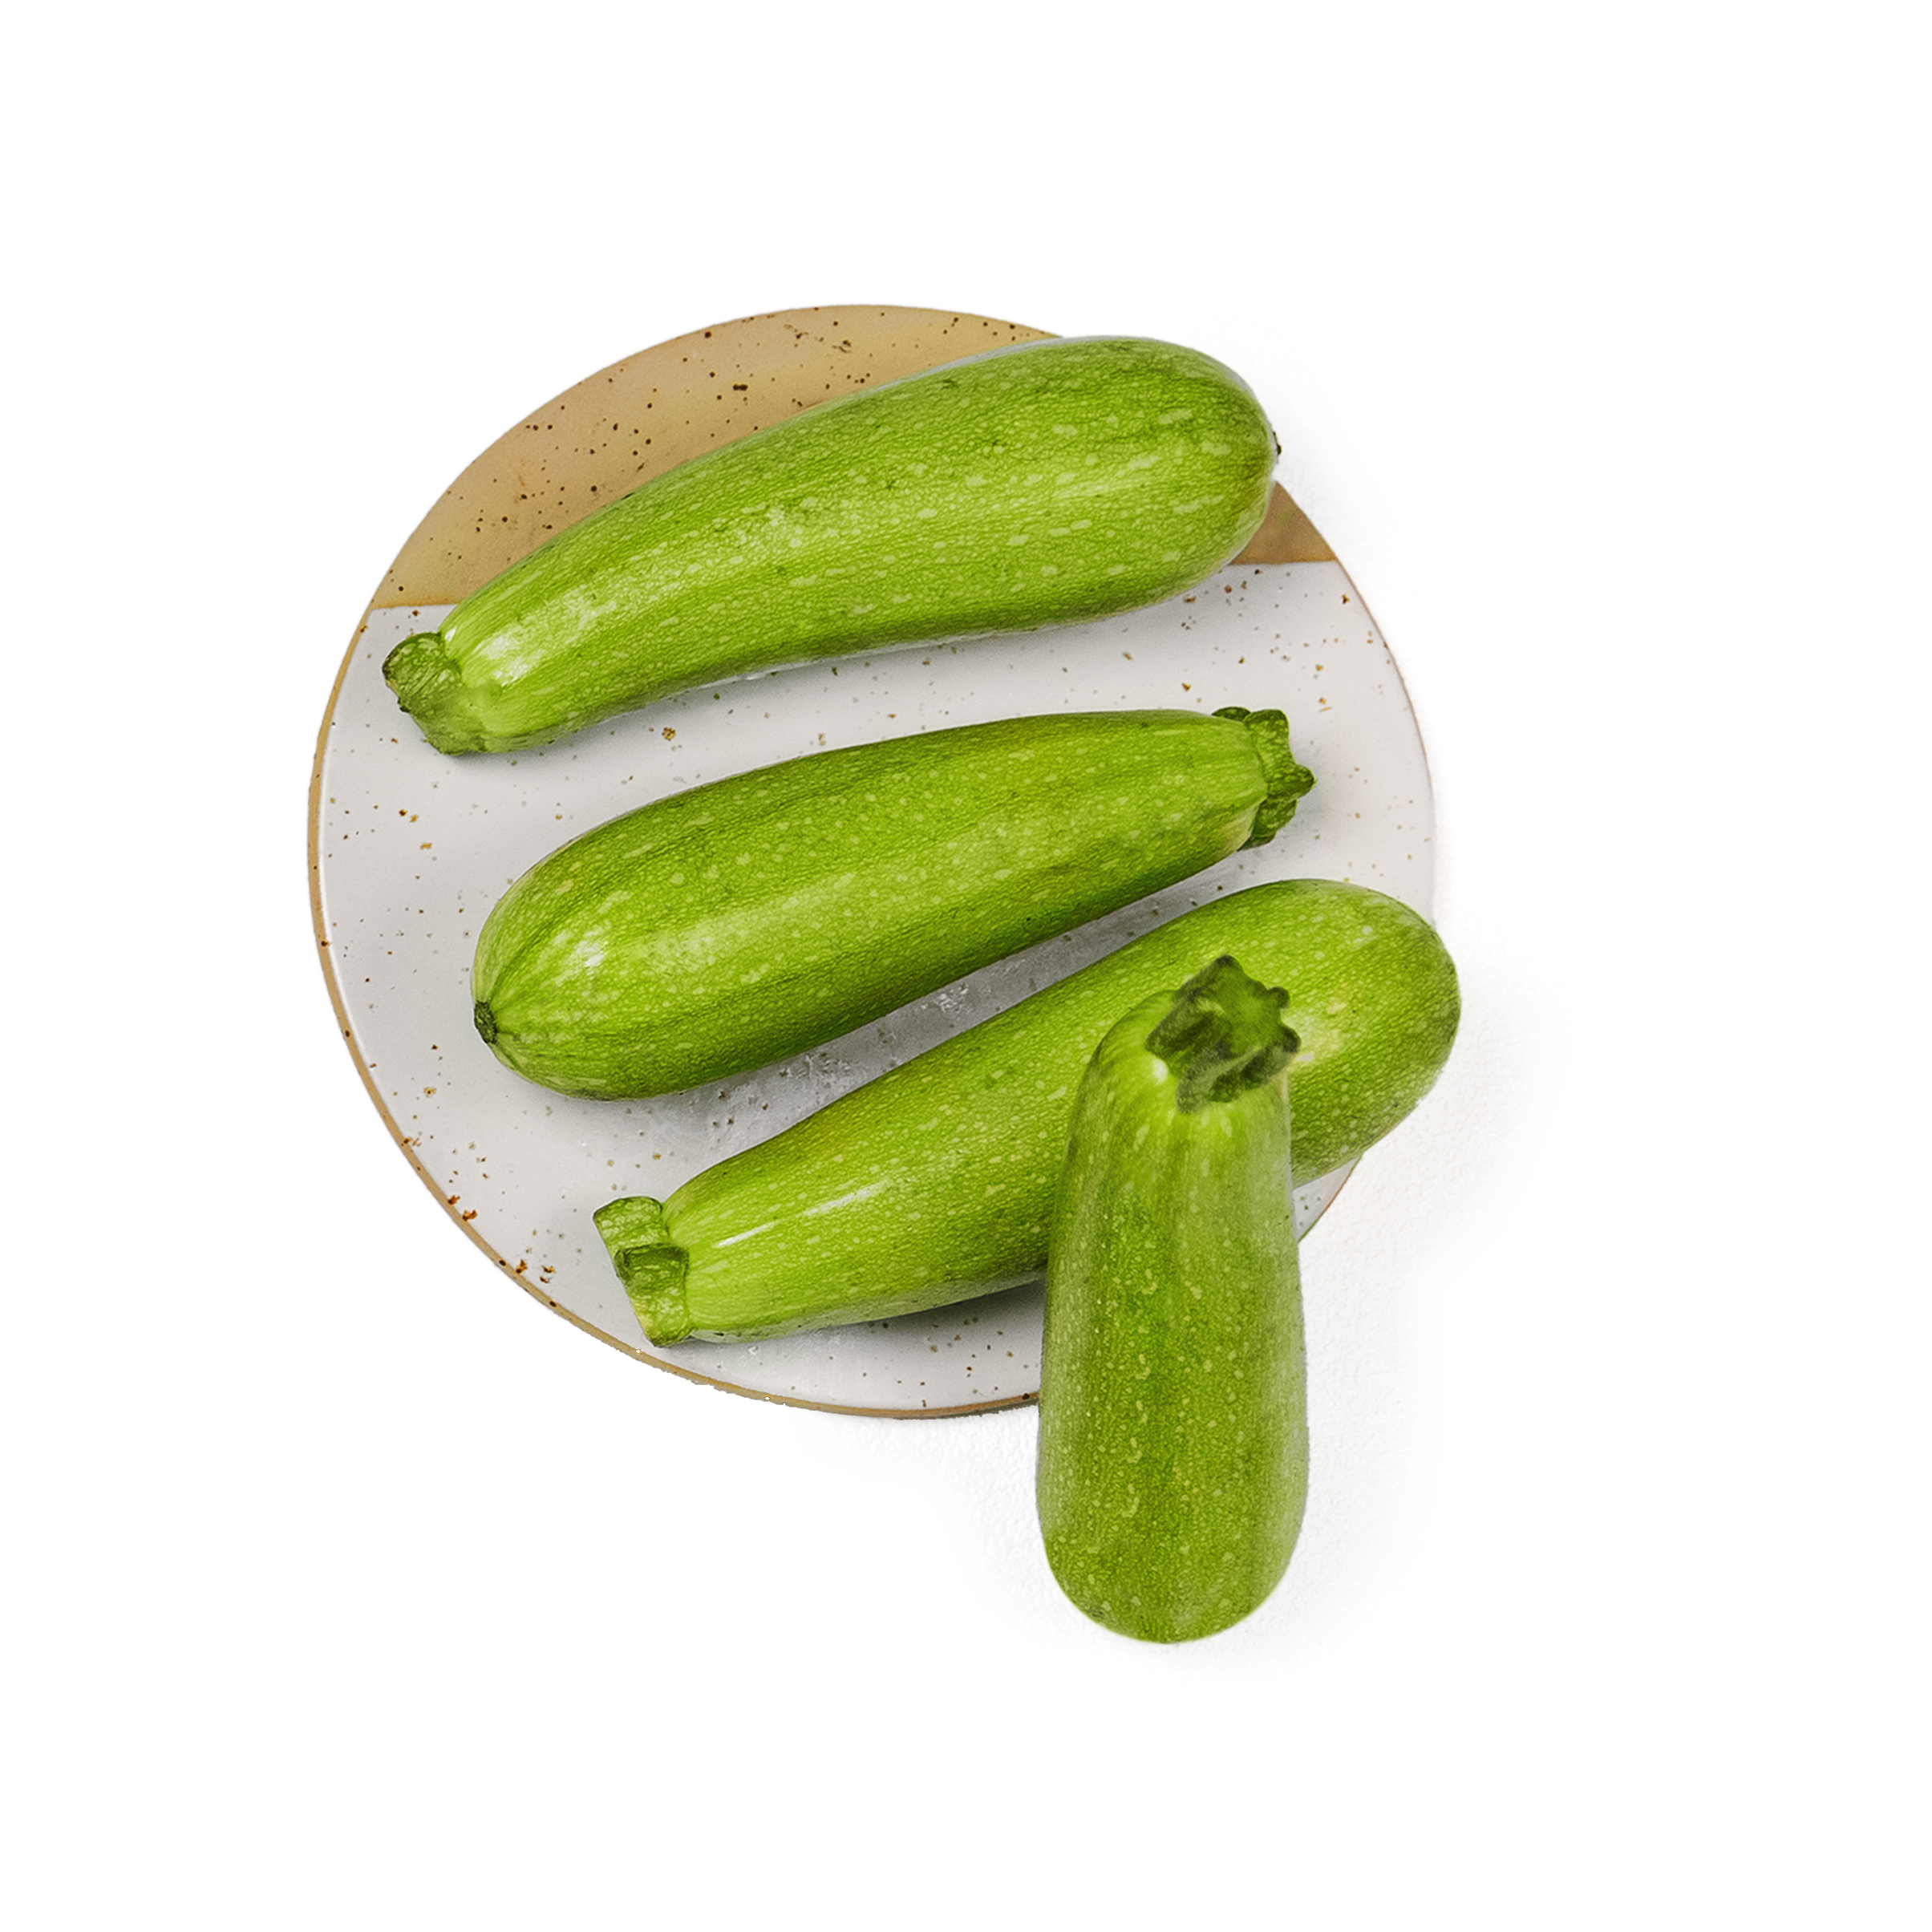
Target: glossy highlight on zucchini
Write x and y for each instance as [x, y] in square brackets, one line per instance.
[725, 927]
[1045, 483]
[1173, 1438]
[934, 1183]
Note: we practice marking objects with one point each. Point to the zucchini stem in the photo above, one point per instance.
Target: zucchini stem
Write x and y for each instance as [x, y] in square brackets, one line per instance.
[1222, 1036]
[428, 684]
[651, 1266]
[1288, 782]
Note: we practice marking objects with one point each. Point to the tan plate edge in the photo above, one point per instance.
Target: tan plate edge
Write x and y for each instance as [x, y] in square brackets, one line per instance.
[604, 436]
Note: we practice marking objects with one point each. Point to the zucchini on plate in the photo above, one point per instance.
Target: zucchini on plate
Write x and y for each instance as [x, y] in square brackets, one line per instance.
[1050, 483]
[724, 927]
[935, 1182]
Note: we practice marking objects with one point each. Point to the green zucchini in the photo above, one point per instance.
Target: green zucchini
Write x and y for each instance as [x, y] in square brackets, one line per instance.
[726, 926]
[934, 1183]
[1049, 482]
[1173, 1438]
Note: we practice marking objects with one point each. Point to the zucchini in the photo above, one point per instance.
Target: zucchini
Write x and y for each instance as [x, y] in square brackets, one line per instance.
[726, 926]
[934, 1183]
[1047, 483]
[1173, 1436]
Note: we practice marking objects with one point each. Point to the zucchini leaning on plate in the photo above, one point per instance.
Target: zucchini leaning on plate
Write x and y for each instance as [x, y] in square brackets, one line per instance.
[1173, 1437]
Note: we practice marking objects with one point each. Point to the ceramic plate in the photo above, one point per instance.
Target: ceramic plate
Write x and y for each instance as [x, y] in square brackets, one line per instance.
[409, 849]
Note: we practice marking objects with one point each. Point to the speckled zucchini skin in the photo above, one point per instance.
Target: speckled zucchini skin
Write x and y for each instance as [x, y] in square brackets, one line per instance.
[1173, 1440]
[1050, 483]
[726, 926]
[934, 1183]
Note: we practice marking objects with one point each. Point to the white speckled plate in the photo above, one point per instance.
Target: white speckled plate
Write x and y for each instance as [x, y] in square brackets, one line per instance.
[410, 850]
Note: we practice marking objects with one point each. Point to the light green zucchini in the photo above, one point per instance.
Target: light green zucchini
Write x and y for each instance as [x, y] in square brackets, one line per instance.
[934, 1183]
[726, 926]
[1050, 483]
[1173, 1438]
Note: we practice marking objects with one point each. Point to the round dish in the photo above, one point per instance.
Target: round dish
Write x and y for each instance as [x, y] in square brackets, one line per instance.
[408, 850]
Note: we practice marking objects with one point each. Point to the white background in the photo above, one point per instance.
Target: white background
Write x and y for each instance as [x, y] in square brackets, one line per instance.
[412, 1472]
[1731, 1730]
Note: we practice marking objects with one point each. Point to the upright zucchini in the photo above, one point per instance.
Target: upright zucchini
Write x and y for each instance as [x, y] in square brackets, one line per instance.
[1050, 483]
[1174, 1442]
[934, 1183]
[728, 925]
